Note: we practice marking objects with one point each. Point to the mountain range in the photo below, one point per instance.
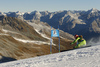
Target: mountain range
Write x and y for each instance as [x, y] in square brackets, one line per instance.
[23, 39]
[25, 35]
[86, 23]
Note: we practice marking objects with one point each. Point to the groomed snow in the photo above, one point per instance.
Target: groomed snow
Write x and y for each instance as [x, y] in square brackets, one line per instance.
[84, 57]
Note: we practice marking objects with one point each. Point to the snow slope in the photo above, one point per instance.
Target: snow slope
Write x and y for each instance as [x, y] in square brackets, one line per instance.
[84, 57]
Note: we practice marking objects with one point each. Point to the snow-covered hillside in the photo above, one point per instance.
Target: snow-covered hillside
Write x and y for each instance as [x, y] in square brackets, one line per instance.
[84, 57]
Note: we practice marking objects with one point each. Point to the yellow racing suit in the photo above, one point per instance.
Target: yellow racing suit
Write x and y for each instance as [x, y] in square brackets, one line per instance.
[80, 42]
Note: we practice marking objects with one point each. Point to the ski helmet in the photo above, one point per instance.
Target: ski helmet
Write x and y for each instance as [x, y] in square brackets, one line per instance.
[75, 36]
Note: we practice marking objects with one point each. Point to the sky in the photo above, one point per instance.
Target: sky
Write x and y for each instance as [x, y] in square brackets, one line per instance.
[47, 5]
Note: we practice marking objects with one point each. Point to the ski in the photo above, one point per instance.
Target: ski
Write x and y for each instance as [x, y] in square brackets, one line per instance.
[76, 48]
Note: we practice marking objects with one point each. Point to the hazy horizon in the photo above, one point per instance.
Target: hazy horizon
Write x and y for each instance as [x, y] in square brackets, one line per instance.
[47, 5]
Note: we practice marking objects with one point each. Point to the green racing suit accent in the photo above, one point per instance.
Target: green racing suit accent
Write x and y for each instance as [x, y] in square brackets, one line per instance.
[80, 42]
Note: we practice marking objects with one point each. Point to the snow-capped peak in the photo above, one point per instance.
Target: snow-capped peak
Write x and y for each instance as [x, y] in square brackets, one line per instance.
[19, 13]
[34, 12]
[93, 10]
[1, 13]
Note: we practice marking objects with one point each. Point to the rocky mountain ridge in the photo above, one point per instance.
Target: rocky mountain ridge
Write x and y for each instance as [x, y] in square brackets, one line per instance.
[20, 40]
[74, 22]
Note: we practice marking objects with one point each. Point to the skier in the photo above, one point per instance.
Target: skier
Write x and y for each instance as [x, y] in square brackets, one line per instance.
[80, 41]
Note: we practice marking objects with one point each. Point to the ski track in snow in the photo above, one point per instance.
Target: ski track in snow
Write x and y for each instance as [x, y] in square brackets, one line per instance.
[84, 57]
